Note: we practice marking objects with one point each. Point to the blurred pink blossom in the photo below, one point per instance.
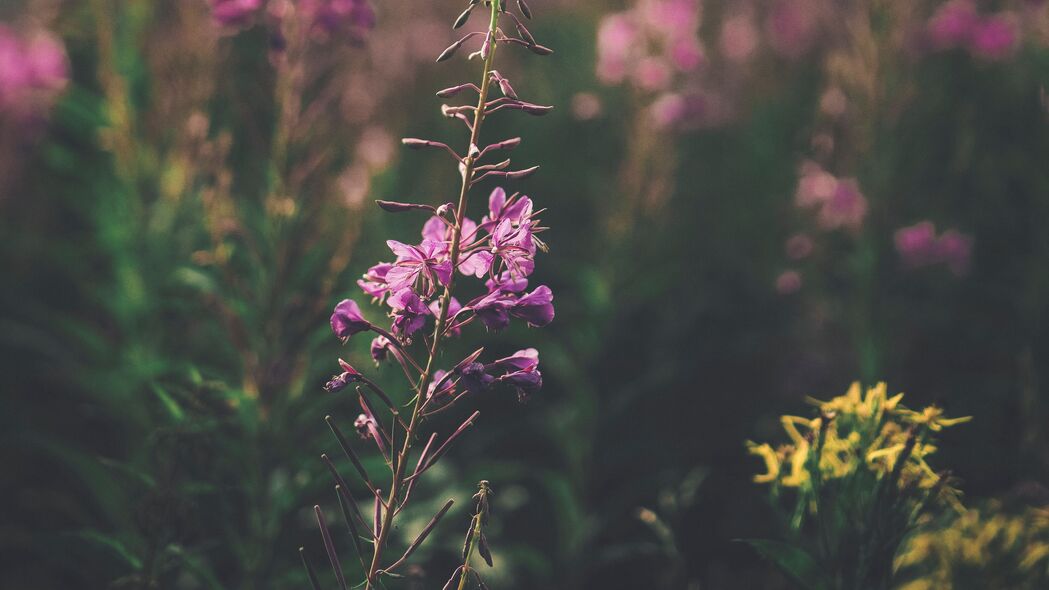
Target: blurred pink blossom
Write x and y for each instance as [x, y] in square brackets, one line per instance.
[616, 35]
[839, 201]
[674, 18]
[815, 186]
[33, 71]
[952, 24]
[833, 102]
[667, 110]
[994, 38]
[799, 246]
[739, 38]
[788, 282]
[586, 106]
[955, 250]
[791, 26]
[652, 74]
[686, 54]
[918, 246]
[231, 13]
[846, 208]
[332, 17]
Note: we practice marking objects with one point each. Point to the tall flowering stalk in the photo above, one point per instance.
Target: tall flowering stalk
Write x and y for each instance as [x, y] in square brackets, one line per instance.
[420, 284]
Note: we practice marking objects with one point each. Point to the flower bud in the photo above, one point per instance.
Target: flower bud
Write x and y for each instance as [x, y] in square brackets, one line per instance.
[465, 16]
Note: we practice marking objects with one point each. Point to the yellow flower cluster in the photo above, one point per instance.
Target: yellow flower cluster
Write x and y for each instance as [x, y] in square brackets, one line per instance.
[980, 549]
[856, 431]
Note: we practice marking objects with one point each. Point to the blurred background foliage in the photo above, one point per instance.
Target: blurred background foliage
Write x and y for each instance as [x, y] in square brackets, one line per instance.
[743, 200]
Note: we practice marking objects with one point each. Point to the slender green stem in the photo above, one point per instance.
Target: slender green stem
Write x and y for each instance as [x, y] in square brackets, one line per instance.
[469, 163]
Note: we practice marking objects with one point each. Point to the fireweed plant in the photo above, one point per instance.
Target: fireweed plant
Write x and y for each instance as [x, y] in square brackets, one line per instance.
[419, 285]
[854, 482]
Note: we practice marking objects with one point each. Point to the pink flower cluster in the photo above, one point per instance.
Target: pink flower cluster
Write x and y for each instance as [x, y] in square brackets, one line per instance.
[792, 26]
[958, 24]
[648, 44]
[500, 250]
[919, 246]
[33, 71]
[838, 201]
[329, 17]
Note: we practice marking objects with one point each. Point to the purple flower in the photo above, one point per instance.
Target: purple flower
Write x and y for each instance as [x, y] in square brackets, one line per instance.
[348, 375]
[517, 209]
[493, 310]
[380, 348]
[507, 283]
[536, 308]
[476, 263]
[474, 378]
[347, 320]
[409, 312]
[453, 308]
[427, 261]
[521, 371]
[522, 360]
[230, 13]
[442, 385]
[515, 247]
[374, 281]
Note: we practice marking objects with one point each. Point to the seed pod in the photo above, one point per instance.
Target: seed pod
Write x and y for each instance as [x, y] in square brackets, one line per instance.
[505, 88]
[329, 547]
[348, 518]
[535, 109]
[450, 51]
[377, 516]
[484, 550]
[486, 48]
[450, 92]
[518, 174]
[525, 34]
[540, 50]
[469, 537]
[396, 207]
[527, 12]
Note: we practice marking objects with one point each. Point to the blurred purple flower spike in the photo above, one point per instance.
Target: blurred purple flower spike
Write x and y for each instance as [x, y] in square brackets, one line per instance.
[234, 13]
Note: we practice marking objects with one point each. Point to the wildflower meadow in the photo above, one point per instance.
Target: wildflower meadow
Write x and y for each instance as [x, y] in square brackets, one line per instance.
[279, 312]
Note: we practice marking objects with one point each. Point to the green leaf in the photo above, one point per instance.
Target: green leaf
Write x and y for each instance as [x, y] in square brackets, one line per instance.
[169, 402]
[111, 545]
[793, 561]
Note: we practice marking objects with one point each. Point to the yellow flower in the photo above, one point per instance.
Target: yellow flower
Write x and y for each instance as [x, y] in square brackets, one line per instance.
[932, 416]
[873, 405]
[798, 474]
[772, 461]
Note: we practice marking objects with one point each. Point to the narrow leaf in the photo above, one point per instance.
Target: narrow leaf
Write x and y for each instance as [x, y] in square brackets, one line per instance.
[793, 561]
